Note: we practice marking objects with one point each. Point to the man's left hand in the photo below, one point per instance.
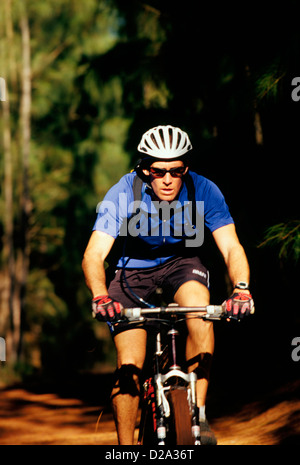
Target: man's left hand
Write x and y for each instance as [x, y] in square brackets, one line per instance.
[238, 305]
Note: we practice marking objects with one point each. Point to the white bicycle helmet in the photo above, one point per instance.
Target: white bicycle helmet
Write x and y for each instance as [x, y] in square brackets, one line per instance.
[165, 142]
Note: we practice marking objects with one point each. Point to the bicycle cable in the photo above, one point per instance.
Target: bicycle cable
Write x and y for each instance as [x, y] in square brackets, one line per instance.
[123, 276]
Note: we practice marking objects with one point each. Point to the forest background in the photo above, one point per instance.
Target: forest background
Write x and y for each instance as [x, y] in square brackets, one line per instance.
[84, 80]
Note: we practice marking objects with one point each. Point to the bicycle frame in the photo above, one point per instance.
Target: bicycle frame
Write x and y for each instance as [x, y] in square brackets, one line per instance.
[157, 386]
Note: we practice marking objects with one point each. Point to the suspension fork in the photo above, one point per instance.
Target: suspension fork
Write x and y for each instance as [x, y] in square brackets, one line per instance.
[194, 408]
[163, 408]
[162, 405]
[191, 378]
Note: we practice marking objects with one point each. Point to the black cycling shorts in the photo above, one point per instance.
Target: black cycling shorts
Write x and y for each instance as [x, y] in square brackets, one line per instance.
[143, 282]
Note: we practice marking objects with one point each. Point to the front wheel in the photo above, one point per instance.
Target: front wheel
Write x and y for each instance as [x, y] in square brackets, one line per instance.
[180, 426]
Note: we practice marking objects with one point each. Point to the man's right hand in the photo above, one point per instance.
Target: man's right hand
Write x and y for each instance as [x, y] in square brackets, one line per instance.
[106, 309]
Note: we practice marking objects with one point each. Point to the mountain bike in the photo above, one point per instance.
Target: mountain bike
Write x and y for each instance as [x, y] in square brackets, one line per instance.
[169, 412]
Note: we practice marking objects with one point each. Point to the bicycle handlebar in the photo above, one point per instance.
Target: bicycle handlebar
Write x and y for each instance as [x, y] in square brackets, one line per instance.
[210, 312]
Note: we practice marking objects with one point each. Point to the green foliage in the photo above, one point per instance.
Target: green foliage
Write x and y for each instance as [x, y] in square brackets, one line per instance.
[286, 238]
[268, 82]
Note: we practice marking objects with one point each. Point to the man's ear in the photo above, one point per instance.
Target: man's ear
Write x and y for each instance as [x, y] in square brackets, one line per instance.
[186, 170]
[146, 172]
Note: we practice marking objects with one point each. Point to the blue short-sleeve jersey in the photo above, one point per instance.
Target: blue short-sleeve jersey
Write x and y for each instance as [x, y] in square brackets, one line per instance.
[160, 230]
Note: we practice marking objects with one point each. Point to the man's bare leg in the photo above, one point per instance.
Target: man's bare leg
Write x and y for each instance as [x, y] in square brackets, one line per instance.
[200, 338]
[131, 351]
[199, 349]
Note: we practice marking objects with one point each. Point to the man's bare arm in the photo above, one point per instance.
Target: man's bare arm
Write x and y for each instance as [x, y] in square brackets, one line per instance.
[95, 254]
[233, 253]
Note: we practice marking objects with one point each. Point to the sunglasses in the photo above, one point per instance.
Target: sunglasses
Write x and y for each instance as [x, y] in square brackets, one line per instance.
[161, 172]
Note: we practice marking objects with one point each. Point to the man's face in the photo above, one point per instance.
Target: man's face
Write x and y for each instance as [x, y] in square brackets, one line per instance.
[164, 185]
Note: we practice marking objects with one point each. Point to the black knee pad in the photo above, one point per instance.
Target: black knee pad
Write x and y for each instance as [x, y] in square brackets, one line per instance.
[126, 379]
[204, 361]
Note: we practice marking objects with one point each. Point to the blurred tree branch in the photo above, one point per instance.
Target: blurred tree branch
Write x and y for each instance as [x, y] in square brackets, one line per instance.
[286, 236]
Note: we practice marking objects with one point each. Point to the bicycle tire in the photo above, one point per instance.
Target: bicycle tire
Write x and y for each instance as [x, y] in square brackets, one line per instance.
[180, 426]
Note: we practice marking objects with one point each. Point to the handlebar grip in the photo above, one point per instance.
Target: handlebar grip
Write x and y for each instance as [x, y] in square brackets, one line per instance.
[131, 313]
[215, 311]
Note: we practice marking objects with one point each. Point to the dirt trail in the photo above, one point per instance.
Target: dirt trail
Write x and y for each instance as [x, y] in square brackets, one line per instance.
[47, 418]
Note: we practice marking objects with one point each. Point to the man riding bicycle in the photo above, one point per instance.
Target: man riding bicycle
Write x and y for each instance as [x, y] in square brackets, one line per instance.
[161, 236]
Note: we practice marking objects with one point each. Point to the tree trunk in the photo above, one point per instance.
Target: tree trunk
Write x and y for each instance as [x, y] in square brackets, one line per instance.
[8, 261]
[258, 128]
[15, 261]
[23, 254]
[8, 230]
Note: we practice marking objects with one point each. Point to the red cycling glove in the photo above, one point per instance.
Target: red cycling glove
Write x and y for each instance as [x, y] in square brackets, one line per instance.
[106, 309]
[239, 305]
